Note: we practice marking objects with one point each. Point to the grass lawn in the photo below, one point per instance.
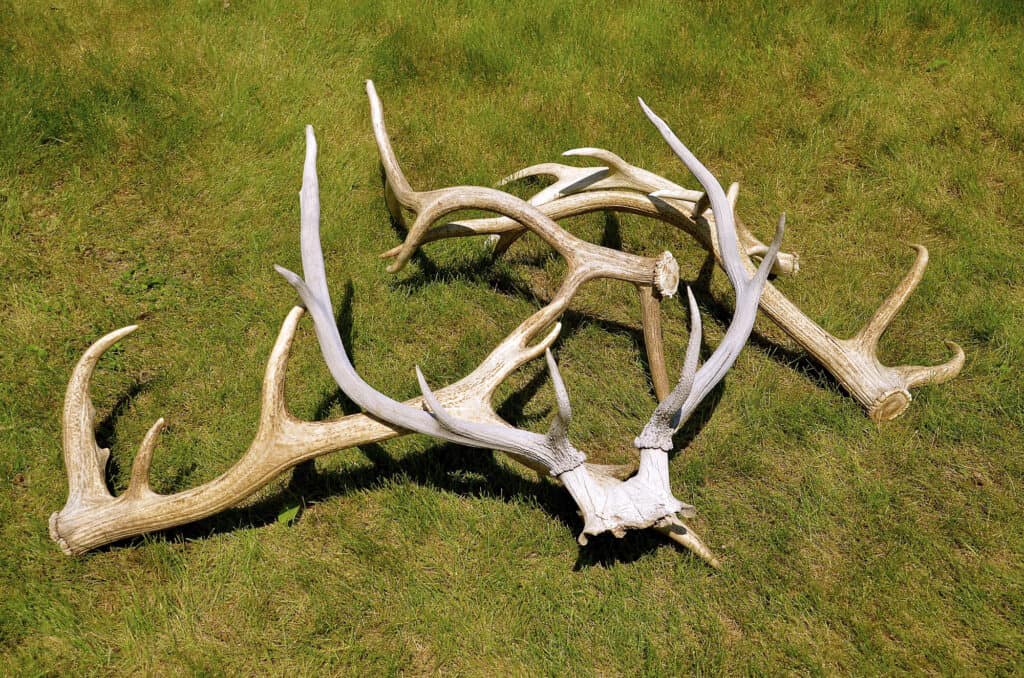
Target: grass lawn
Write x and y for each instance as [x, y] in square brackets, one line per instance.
[150, 159]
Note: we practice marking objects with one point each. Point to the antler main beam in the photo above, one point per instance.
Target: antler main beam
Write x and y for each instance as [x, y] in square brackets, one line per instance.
[92, 516]
[883, 391]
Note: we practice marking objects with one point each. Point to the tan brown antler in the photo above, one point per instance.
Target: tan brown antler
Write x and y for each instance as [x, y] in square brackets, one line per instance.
[618, 186]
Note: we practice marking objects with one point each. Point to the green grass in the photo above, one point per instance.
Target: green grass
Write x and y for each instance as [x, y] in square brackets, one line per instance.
[150, 158]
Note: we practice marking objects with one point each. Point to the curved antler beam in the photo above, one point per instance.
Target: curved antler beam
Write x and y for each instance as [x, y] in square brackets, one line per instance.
[607, 503]
[883, 391]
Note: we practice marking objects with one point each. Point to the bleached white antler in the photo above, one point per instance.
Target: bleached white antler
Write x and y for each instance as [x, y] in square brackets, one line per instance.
[607, 504]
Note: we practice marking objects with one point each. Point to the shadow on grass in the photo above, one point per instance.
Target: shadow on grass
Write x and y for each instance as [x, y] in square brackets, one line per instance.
[106, 431]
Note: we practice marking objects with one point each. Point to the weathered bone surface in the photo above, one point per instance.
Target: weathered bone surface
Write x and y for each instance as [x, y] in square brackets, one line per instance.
[608, 504]
[618, 186]
[611, 499]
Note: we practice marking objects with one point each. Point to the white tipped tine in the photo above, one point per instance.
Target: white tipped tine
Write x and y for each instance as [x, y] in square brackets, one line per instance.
[371, 94]
[309, 178]
[696, 333]
[293, 278]
[776, 244]
[680, 149]
[761, 275]
[556, 377]
[424, 387]
[694, 311]
[696, 324]
[656, 119]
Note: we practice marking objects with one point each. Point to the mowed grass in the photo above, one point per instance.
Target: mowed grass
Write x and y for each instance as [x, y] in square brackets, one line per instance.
[150, 158]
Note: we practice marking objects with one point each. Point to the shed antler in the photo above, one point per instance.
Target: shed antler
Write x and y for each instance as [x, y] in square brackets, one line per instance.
[608, 504]
[618, 186]
[583, 258]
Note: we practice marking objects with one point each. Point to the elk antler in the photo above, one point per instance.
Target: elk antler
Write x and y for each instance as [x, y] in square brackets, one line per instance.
[93, 517]
[883, 391]
[607, 503]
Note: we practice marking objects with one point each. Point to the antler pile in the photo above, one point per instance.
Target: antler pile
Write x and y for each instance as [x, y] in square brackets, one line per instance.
[611, 498]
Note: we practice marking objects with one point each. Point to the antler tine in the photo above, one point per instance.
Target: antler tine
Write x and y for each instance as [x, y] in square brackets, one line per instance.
[392, 170]
[917, 375]
[883, 317]
[873, 330]
[625, 175]
[748, 291]
[657, 434]
[565, 177]
[138, 484]
[316, 296]
[679, 532]
[84, 459]
[720, 205]
[559, 429]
